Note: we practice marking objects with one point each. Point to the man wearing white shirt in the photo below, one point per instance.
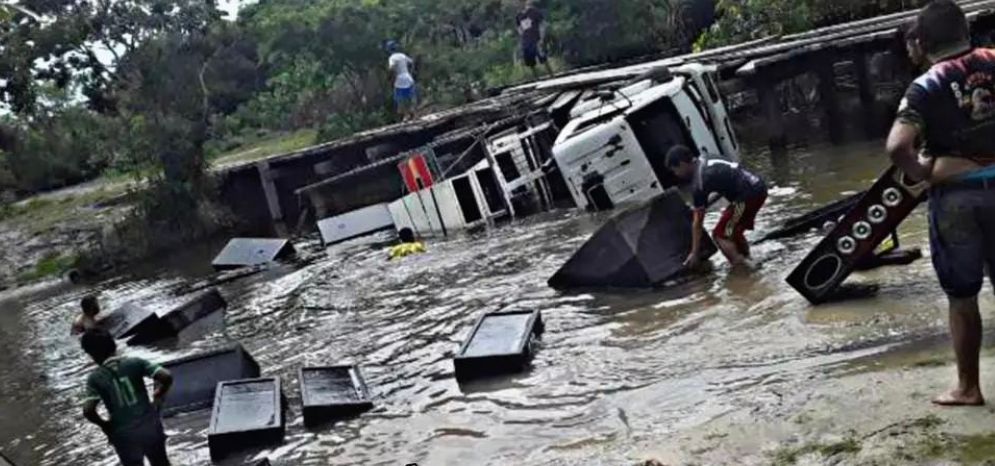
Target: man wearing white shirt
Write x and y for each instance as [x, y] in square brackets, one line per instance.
[405, 93]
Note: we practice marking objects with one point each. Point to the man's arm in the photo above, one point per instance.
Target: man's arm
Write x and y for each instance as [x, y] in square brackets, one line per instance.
[903, 151]
[90, 414]
[77, 328]
[696, 228]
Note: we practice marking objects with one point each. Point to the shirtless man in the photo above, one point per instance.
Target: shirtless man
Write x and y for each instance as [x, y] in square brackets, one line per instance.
[88, 319]
[952, 109]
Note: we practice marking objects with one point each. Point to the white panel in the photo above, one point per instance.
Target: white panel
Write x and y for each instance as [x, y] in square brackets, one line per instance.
[431, 213]
[419, 216]
[357, 223]
[400, 215]
[449, 207]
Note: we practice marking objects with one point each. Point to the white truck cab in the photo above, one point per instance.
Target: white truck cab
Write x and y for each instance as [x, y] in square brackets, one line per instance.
[613, 151]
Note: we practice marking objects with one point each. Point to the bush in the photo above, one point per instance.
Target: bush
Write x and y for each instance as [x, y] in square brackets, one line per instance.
[744, 20]
[57, 150]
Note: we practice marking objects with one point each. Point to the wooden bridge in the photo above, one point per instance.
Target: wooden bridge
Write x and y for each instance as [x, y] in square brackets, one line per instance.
[270, 191]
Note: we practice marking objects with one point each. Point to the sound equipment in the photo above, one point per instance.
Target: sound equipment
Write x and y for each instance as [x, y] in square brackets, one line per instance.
[196, 308]
[880, 211]
[246, 414]
[196, 377]
[640, 248]
[330, 393]
[815, 219]
[242, 252]
[500, 343]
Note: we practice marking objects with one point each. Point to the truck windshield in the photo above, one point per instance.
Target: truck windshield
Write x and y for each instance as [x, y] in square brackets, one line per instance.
[658, 128]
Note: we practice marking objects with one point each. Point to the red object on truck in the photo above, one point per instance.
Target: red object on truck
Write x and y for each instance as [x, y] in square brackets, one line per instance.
[416, 173]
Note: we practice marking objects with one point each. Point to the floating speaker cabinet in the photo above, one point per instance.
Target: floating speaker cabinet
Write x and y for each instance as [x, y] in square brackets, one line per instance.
[858, 234]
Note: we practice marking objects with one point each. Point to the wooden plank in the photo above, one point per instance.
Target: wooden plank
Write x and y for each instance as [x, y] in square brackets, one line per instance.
[865, 89]
[828, 99]
[809, 47]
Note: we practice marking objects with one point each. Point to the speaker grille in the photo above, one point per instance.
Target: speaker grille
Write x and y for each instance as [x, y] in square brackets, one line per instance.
[823, 271]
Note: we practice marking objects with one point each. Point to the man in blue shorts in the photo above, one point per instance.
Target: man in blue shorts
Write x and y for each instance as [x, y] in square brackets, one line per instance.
[531, 23]
[401, 67]
[951, 109]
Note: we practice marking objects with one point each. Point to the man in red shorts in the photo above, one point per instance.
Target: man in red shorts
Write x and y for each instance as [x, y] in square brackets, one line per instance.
[745, 192]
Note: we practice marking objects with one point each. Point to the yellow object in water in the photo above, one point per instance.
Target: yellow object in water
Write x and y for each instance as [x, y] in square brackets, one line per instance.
[406, 249]
[886, 246]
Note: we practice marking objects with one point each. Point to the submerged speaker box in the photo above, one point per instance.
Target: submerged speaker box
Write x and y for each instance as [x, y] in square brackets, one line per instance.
[640, 248]
[886, 205]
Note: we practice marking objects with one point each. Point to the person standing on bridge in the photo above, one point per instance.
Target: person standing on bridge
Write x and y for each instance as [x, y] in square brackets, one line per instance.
[951, 108]
[401, 67]
[746, 193]
[531, 23]
[134, 428]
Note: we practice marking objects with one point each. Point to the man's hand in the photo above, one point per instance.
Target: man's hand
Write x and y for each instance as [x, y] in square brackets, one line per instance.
[692, 261]
[901, 147]
[90, 414]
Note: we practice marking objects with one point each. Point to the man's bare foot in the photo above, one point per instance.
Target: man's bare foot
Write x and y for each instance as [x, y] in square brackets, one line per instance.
[958, 397]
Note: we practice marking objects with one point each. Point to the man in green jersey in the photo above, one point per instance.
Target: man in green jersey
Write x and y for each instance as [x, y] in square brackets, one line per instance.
[134, 429]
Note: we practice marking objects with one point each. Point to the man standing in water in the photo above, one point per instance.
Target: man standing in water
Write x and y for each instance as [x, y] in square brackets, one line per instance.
[531, 25]
[88, 319]
[134, 428]
[952, 109]
[745, 192]
[405, 92]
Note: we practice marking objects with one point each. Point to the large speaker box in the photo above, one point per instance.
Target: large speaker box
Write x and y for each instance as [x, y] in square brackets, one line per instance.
[640, 248]
[886, 205]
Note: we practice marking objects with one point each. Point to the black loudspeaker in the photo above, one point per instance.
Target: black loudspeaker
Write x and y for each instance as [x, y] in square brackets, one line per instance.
[862, 230]
[640, 248]
[196, 377]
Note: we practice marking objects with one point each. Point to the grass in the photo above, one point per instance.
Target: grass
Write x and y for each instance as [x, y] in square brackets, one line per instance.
[789, 456]
[42, 213]
[52, 265]
[968, 449]
[266, 147]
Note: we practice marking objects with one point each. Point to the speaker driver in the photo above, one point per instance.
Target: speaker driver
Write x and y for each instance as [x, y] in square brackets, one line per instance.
[846, 245]
[862, 230]
[823, 271]
[892, 197]
[877, 214]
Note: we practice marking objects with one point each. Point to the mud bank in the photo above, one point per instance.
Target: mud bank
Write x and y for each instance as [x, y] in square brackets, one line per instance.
[874, 412]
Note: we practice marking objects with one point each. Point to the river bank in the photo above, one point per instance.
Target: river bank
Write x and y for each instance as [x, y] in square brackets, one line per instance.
[728, 369]
[876, 412]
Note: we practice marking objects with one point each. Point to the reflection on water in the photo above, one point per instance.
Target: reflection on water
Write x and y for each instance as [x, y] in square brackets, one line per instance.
[613, 370]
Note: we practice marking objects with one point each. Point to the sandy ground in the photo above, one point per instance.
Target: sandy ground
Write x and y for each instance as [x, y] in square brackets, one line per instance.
[880, 416]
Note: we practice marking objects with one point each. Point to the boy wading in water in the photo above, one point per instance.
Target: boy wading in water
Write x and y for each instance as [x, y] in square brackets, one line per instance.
[87, 320]
[409, 245]
[745, 192]
[134, 428]
[952, 109]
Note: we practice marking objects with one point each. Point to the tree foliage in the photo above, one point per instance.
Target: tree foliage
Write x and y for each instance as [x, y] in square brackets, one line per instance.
[743, 20]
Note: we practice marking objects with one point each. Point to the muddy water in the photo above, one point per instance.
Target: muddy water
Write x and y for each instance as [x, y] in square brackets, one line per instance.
[616, 371]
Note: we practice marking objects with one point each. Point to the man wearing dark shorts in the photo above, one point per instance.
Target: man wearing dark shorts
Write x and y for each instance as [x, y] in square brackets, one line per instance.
[951, 109]
[134, 428]
[532, 30]
[746, 193]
